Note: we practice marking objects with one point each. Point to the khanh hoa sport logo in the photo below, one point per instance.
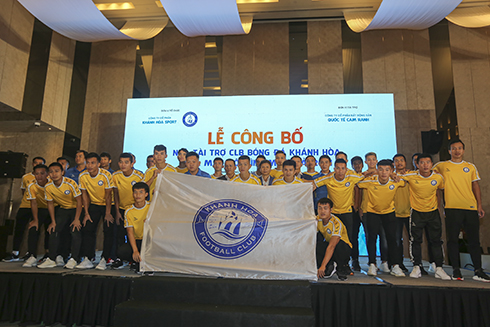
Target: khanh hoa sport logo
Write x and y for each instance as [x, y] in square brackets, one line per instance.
[189, 119]
[228, 229]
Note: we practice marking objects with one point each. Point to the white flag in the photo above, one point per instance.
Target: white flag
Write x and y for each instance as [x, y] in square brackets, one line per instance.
[202, 226]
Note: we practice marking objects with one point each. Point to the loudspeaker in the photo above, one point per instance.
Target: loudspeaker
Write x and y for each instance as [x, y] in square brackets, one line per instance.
[12, 164]
[432, 141]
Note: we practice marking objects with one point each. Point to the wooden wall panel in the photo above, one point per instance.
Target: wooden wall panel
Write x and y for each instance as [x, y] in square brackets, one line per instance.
[257, 63]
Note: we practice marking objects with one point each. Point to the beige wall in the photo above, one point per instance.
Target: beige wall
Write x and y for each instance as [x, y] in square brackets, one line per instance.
[257, 63]
[58, 81]
[471, 76]
[325, 72]
[109, 86]
[16, 26]
[178, 65]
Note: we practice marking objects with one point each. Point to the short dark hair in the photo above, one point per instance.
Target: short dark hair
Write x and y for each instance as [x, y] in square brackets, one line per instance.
[232, 160]
[106, 155]
[385, 162]
[42, 167]
[416, 154]
[326, 201]
[126, 155]
[311, 157]
[260, 156]
[289, 163]
[183, 149]
[160, 147]
[39, 158]
[141, 186]
[424, 155]
[399, 155]
[264, 162]
[370, 154]
[454, 141]
[218, 159]
[244, 157]
[296, 157]
[55, 164]
[93, 155]
[279, 151]
[150, 156]
[325, 156]
[341, 152]
[356, 158]
[191, 154]
[85, 153]
[340, 161]
[63, 158]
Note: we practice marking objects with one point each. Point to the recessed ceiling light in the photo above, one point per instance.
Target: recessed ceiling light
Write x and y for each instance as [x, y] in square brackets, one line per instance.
[210, 45]
[115, 6]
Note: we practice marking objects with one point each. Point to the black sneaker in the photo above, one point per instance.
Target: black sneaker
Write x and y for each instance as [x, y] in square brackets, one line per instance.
[342, 274]
[330, 270]
[481, 276]
[457, 274]
[422, 270]
[403, 268]
[11, 258]
[25, 257]
[118, 264]
[355, 265]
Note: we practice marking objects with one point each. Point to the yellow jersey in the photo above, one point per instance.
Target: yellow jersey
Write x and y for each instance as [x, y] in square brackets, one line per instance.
[26, 180]
[423, 190]
[96, 186]
[402, 202]
[251, 180]
[181, 170]
[124, 185]
[276, 173]
[36, 192]
[151, 171]
[458, 176]
[334, 227]
[340, 192]
[380, 197]
[63, 195]
[136, 217]
[281, 181]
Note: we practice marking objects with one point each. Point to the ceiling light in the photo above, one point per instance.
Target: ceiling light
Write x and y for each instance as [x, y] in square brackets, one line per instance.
[212, 88]
[304, 86]
[254, 1]
[210, 45]
[159, 4]
[115, 6]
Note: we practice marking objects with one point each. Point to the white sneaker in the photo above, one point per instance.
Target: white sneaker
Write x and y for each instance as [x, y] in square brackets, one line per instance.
[416, 273]
[397, 271]
[31, 262]
[85, 264]
[60, 262]
[71, 264]
[432, 267]
[48, 263]
[384, 267]
[373, 270]
[102, 264]
[440, 273]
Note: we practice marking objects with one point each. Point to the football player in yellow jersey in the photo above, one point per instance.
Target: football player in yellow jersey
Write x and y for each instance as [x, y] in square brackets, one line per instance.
[134, 221]
[402, 207]
[40, 214]
[245, 176]
[333, 247]
[218, 168]
[182, 167]
[258, 160]
[380, 194]
[96, 185]
[340, 186]
[65, 163]
[150, 161]
[288, 174]
[424, 199]
[230, 168]
[265, 169]
[310, 163]
[299, 164]
[280, 158]
[463, 208]
[63, 192]
[160, 156]
[23, 216]
[124, 179]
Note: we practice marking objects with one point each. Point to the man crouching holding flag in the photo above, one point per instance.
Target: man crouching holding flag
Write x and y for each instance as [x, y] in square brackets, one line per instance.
[333, 247]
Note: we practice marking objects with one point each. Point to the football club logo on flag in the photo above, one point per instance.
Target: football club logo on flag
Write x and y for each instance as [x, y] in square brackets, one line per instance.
[228, 229]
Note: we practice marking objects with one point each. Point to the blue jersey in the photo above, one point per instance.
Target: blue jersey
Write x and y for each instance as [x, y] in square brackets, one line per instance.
[73, 173]
[320, 192]
[199, 173]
